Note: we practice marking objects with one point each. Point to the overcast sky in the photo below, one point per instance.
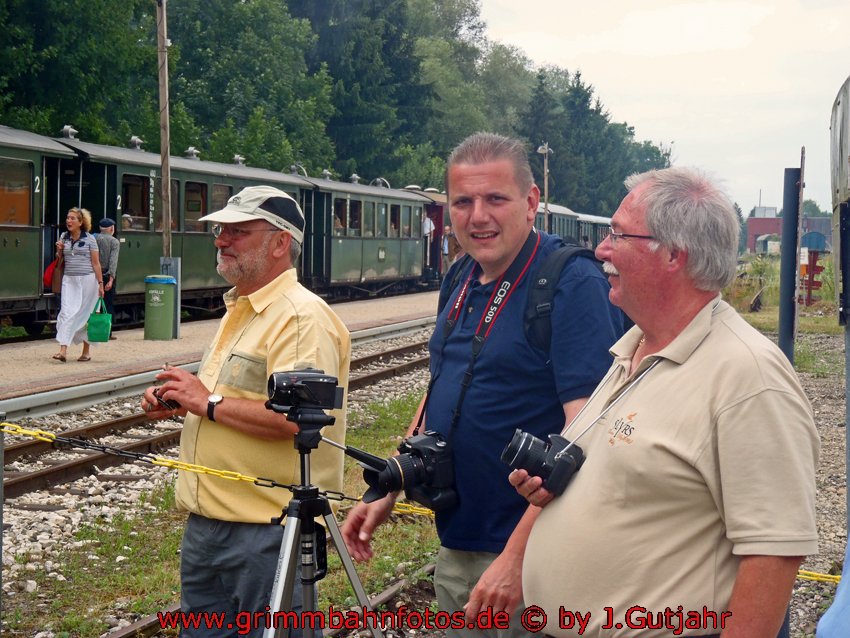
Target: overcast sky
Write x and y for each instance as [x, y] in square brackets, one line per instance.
[737, 87]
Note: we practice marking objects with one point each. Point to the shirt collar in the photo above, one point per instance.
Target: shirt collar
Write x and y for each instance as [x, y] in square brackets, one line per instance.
[263, 298]
[685, 343]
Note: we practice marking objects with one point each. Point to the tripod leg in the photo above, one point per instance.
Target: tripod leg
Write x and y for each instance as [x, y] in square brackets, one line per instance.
[353, 578]
[285, 577]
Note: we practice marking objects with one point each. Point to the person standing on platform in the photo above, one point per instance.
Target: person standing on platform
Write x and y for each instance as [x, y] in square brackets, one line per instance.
[230, 549]
[82, 283]
[109, 248]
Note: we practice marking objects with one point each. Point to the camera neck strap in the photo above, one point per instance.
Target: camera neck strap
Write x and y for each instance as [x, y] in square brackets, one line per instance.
[607, 409]
[502, 292]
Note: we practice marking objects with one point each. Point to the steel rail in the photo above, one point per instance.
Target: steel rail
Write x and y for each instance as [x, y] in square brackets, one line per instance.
[18, 484]
[15, 486]
[84, 396]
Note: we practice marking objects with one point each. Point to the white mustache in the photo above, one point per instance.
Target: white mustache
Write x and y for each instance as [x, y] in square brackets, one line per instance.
[609, 269]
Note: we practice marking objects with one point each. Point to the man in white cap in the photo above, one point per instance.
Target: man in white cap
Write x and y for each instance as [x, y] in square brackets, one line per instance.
[273, 324]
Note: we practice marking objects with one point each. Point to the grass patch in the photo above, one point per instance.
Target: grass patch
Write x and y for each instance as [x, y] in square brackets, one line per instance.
[817, 362]
[143, 581]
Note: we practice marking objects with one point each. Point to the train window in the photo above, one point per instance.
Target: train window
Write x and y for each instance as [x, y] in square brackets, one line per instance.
[137, 200]
[381, 221]
[369, 219]
[355, 214]
[405, 221]
[15, 192]
[195, 207]
[340, 209]
[395, 219]
[417, 222]
[175, 205]
[220, 194]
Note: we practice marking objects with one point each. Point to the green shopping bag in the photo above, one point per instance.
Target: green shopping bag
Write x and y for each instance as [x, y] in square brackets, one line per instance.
[100, 323]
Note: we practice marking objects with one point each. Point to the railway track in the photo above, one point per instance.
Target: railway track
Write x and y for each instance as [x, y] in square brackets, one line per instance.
[77, 397]
[18, 483]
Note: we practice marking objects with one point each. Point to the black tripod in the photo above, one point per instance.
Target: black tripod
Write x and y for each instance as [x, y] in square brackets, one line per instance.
[302, 535]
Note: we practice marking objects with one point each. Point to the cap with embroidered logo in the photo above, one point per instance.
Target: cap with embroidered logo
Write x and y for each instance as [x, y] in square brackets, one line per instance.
[262, 202]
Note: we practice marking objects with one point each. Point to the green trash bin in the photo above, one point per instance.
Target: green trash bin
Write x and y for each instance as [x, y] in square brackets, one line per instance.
[159, 306]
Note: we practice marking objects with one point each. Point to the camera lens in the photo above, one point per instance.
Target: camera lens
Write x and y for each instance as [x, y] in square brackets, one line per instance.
[526, 452]
[401, 470]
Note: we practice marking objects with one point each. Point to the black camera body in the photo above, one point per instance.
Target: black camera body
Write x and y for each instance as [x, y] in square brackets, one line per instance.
[555, 463]
[423, 469]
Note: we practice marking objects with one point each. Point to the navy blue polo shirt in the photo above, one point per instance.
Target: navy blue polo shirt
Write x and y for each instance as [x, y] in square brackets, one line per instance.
[514, 385]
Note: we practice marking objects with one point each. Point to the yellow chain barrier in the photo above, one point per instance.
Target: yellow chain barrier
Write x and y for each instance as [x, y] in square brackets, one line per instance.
[400, 508]
[824, 578]
[50, 437]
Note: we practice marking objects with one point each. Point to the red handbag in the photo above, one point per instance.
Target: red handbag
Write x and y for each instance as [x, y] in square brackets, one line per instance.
[53, 275]
[48, 273]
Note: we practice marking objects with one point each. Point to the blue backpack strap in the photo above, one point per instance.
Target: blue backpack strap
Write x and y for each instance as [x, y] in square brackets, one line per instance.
[538, 309]
[454, 276]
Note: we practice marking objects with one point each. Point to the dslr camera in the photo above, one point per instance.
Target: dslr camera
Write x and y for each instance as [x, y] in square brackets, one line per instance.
[555, 462]
[423, 469]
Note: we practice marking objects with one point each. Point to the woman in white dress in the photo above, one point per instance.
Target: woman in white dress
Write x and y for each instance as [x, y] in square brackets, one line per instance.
[82, 283]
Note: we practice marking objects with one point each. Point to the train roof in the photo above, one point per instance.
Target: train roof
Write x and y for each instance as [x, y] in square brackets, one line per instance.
[431, 194]
[103, 153]
[556, 208]
[364, 189]
[32, 141]
[594, 219]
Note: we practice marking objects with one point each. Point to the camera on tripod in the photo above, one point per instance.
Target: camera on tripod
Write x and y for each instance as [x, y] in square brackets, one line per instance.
[304, 395]
[555, 463]
[423, 469]
[308, 388]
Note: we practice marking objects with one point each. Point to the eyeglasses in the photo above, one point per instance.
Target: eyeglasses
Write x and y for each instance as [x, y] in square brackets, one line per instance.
[614, 236]
[219, 229]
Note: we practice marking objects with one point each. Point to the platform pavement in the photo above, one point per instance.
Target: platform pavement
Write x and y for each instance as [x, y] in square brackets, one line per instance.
[26, 368]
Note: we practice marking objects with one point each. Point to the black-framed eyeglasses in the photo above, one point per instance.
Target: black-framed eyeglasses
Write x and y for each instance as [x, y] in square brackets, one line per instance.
[614, 236]
[220, 229]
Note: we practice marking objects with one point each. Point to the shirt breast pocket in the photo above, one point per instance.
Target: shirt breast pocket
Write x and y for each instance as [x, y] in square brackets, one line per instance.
[245, 372]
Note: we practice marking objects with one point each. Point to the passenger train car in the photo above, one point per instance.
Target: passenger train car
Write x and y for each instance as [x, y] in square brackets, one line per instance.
[360, 239]
[840, 178]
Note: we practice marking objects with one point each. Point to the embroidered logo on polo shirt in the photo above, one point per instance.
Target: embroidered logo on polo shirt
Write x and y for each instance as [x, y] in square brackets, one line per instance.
[622, 430]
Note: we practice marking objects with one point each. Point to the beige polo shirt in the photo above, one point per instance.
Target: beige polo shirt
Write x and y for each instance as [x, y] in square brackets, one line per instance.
[283, 326]
[711, 456]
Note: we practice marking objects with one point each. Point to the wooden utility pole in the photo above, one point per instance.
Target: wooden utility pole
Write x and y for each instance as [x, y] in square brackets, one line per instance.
[164, 127]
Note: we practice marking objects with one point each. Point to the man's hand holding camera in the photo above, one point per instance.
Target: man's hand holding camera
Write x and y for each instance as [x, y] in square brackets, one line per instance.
[180, 388]
[530, 487]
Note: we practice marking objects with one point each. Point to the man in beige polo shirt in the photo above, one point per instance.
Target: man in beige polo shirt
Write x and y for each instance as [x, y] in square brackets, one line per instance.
[696, 502]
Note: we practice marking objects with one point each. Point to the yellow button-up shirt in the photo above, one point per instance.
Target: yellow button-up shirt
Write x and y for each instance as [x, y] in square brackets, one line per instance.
[283, 326]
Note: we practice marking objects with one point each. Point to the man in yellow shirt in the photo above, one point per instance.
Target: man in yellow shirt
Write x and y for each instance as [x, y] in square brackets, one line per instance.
[273, 324]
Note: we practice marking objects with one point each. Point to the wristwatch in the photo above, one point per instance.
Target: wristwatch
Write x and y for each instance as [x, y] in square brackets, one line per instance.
[212, 401]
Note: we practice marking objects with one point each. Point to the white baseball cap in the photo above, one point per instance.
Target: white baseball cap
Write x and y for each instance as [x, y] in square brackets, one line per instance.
[262, 202]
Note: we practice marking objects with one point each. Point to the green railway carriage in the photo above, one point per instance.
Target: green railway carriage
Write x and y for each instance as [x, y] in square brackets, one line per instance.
[30, 166]
[564, 220]
[359, 239]
[366, 238]
[122, 183]
[594, 227]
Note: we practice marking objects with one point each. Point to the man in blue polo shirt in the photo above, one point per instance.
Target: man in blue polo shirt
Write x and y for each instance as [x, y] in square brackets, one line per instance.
[493, 202]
